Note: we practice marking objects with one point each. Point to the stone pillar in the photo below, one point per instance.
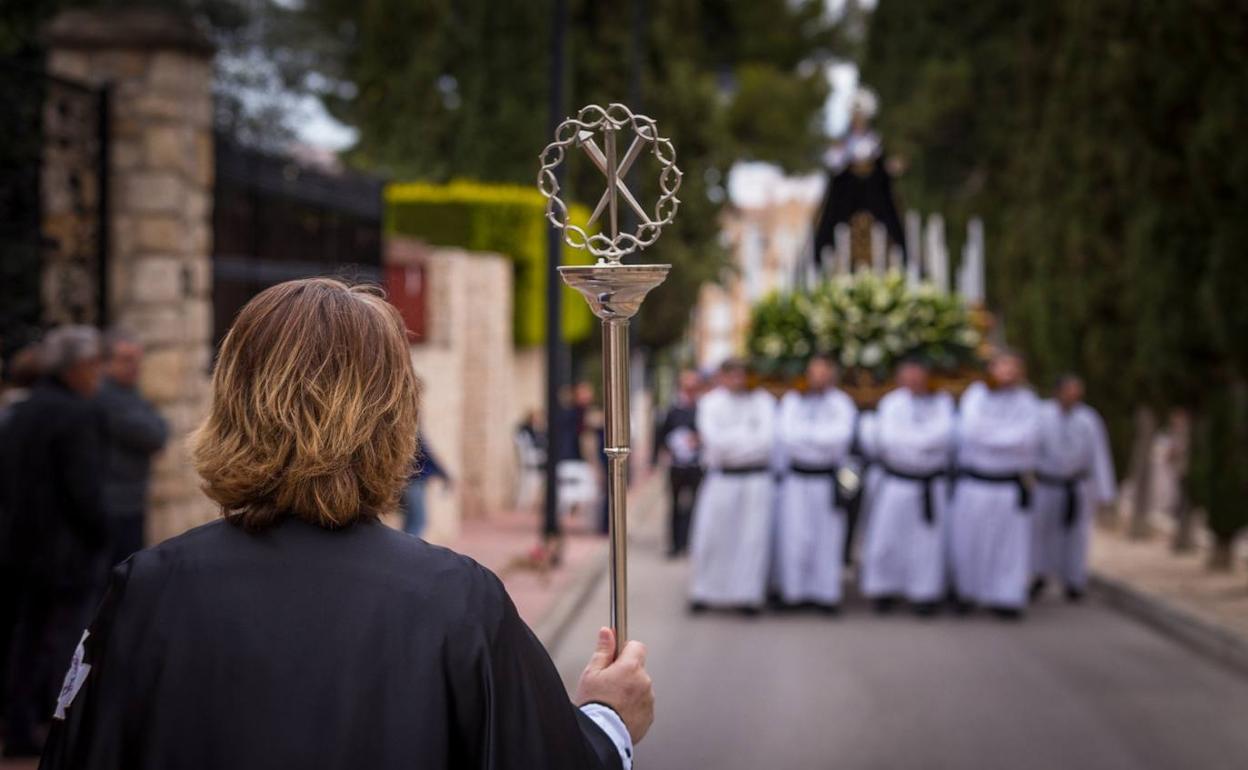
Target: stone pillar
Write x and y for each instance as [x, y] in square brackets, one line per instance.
[158, 67]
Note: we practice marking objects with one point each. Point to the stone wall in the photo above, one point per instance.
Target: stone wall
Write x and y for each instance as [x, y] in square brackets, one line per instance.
[476, 385]
[528, 390]
[159, 70]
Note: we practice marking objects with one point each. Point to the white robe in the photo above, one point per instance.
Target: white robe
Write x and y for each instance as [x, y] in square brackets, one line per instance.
[904, 554]
[815, 431]
[731, 537]
[990, 531]
[869, 446]
[1073, 445]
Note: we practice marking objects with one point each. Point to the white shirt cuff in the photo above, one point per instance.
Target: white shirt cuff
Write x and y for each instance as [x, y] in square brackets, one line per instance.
[611, 724]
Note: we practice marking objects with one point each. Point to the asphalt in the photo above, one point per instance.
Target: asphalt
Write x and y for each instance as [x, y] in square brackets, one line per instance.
[1070, 686]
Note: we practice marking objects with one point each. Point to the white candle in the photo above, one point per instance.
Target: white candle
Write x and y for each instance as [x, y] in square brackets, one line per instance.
[879, 249]
[975, 279]
[937, 253]
[841, 235]
[914, 247]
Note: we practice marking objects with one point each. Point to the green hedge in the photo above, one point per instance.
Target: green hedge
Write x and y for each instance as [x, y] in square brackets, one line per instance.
[506, 219]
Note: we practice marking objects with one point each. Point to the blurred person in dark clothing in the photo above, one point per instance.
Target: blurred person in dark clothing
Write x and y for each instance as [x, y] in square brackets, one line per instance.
[133, 433]
[21, 372]
[533, 429]
[678, 440]
[427, 467]
[564, 440]
[53, 533]
[596, 431]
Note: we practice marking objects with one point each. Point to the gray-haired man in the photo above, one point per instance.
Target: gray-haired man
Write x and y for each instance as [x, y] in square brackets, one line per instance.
[52, 533]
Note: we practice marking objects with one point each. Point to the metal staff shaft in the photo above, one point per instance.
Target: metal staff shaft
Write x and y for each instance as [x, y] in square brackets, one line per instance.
[616, 443]
[614, 293]
[613, 290]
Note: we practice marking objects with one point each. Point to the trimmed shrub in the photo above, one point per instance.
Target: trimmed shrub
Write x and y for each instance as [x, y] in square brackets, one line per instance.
[505, 219]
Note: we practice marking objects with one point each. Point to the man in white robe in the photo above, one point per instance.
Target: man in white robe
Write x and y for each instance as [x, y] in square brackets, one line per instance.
[904, 553]
[1074, 477]
[999, 446]
[732, 520]
[868, 451]
[814, 434]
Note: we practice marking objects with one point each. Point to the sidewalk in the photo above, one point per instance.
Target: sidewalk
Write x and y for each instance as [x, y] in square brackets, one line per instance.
[1175, 593]
[547, 598]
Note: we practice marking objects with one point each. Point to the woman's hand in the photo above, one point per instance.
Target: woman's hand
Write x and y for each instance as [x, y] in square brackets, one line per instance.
[621, 683]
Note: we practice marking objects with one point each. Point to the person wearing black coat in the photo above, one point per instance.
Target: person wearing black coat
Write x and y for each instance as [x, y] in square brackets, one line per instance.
[53, 531]
[134, 433]
[678, 439]
[298, 630]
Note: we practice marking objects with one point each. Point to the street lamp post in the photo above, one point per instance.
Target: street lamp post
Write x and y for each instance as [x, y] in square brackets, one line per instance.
[554, 308]
[613, 290]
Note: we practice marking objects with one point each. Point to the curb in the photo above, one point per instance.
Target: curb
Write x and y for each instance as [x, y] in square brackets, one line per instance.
[557, 621]
[1209, 639]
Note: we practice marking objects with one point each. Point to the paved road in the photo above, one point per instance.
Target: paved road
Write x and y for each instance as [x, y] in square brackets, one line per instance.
[1070, 687]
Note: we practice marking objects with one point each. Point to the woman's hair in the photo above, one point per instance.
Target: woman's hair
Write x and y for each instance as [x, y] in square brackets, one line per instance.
[314, 407]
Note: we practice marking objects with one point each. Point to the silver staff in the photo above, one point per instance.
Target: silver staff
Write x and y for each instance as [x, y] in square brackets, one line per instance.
[614, 291]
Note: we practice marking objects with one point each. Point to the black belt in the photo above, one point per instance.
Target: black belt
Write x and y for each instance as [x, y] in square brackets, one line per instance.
[1024, 494]
[744, 470]
[830, 471]
[1070, 485]
[926, 479]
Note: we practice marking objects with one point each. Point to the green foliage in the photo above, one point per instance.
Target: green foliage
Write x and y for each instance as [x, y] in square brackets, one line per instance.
[505, 219]
[1219, 442]
[866, 322]
[1101, 144]
[268, 56]
[449, 90]
[760, 117]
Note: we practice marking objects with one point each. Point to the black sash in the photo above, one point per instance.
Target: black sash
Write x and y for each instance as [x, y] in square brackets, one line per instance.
[1024, 494]
[1070, 485]
[830, 471]
[744, 470]
[926, 479]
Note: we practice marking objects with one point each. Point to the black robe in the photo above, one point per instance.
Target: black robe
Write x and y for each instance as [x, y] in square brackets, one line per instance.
[301, 647]
[847, 194]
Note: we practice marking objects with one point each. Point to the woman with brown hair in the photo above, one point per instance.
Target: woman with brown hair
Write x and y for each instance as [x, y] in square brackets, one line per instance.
[298, 631]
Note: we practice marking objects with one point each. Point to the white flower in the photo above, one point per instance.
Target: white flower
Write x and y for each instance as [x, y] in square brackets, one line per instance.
[820, 319]
[872, 355]
[968, 337]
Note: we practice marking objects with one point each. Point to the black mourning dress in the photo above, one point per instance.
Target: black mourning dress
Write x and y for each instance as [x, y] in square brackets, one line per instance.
[847, 194]
[301, 647]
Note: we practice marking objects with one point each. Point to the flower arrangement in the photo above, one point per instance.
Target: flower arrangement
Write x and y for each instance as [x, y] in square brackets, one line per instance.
[866, 321]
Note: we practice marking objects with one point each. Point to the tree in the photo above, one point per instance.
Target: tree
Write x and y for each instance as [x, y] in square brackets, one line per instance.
[269, 57]
[446, 90]
[1097, 141]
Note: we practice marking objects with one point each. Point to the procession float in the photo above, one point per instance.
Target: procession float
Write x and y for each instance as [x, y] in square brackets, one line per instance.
[874, 291]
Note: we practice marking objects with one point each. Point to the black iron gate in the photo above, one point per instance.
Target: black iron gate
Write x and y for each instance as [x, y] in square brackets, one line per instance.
[275, 220]
[53, 202]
